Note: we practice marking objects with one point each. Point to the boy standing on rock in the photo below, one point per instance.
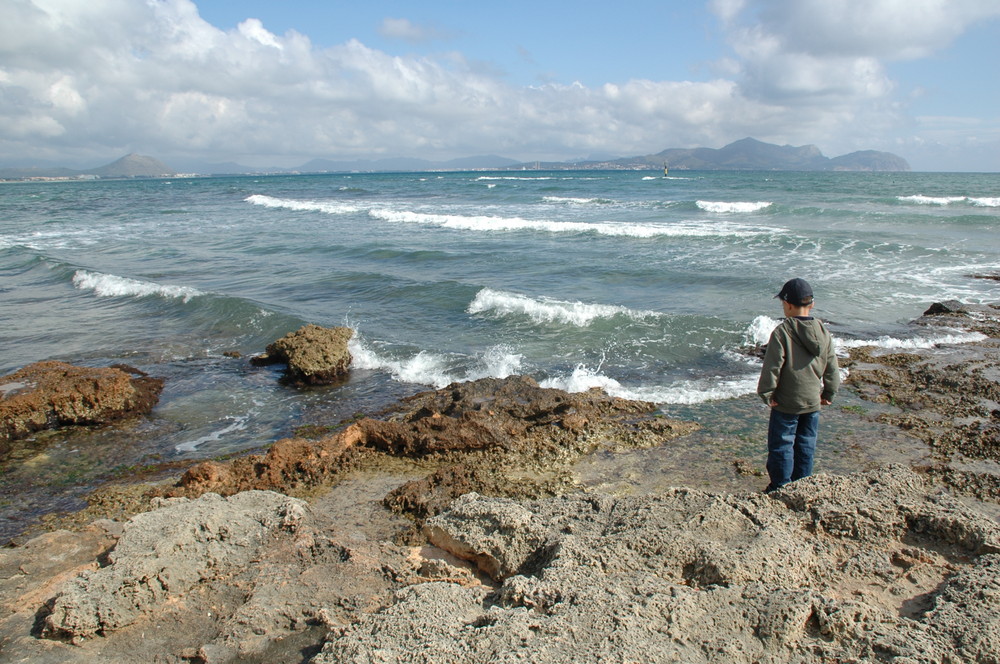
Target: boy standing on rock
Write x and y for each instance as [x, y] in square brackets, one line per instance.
[800, 374]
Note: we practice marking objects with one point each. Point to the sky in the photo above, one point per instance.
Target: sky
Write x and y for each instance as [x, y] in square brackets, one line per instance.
[279, 82]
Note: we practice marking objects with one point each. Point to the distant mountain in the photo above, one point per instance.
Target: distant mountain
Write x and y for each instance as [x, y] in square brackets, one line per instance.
[746, 154]
[131, 166]
[749, 154]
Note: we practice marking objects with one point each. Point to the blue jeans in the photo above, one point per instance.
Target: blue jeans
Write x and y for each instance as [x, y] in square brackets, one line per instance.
[791, 444]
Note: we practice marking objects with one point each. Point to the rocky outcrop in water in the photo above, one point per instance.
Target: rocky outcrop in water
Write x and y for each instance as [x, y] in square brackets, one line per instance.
[315, 355]
[52, 394]
[950, 400]
[496, 436]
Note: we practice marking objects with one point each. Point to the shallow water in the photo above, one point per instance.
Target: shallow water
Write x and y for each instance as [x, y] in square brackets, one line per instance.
[648, 287]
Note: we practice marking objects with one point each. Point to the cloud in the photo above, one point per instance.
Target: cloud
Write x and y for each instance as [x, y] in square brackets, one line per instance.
[90, 81]
[406, 30]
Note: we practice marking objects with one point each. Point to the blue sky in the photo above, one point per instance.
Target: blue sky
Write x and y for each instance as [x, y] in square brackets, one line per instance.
[279, 82]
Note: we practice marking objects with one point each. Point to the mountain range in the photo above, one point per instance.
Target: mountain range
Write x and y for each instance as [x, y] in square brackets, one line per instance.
[745, 154]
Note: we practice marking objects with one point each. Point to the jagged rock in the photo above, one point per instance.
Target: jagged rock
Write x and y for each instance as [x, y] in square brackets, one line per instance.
[499, 424]
[946, 307]
[315, 355]
[870, 567]
[53, 394]
[163, 554]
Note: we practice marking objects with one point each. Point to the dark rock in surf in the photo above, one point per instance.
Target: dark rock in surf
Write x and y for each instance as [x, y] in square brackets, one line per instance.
[315, 355]
[946, 307]
[52, 394]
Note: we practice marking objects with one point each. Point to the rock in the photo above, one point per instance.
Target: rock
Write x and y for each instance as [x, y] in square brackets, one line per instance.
[488, 430]
[163, 554]
[870, 567]
[315, 355]
[53, 394]
[255, 577]
[946, 307]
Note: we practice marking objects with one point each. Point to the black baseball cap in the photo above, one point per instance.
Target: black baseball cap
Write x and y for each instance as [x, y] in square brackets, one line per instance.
[797, 292]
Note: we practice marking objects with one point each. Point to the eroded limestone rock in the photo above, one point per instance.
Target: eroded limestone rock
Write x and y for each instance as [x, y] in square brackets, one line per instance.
[870, 567]
[315, 355]
[51, 394]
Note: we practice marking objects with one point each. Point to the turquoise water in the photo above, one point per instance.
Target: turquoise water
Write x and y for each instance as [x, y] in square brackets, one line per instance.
[644, 285]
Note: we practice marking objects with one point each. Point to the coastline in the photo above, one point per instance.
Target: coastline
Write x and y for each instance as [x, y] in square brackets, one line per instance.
[331, 555]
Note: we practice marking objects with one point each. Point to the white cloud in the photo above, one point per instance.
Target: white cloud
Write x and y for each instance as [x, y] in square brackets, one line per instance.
[406, 30]
[90, 81]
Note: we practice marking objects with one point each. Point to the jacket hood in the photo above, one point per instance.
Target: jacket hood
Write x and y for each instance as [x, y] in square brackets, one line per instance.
[810, 334]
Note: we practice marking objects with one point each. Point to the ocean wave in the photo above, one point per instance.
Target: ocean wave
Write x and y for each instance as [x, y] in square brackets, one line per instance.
[930, 200]
[920, 199]
[574, 201]
[682, 392]
[759, 331]
[426, 368]
[307, 206]
[485, 223]
[110, 285]
[546, 310]
[738, 207]
[914, 343]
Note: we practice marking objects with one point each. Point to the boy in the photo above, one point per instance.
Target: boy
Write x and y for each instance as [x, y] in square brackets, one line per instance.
[800, 374]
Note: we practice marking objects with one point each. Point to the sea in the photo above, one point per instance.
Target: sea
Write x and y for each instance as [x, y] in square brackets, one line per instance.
[646, 285]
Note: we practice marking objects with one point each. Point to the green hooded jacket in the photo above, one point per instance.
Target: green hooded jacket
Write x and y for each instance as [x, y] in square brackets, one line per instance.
[800, 367]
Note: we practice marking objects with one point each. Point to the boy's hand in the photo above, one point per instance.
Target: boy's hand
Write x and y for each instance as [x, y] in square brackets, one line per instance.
[825, 402]
[774, 404]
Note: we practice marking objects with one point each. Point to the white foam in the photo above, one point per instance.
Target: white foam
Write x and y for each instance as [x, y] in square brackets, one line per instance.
[239, 423]
[506, 224]
[759, 331]
[683, 392]
[570, 199]
[309, 206]
[915, 343]
[738, 207]
[985, 202]
[930, 200]
[110, 285]
[546, 310]
[427, 368]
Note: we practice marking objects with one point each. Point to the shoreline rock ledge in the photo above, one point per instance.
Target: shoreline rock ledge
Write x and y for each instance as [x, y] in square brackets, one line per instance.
[315, 355]
[51, 394]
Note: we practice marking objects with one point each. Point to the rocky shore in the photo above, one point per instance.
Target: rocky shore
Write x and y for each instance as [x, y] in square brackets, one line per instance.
[451, 528]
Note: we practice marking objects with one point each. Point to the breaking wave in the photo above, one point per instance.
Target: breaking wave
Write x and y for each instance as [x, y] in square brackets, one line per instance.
[738, 207]
[426, 368]
[308, 206]
[546, 310]
[920, 199]
[110, 285]
[487, 223]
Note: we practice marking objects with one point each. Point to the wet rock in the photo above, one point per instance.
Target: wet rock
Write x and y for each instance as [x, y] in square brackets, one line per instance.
[946, 307]
[482, 433]
[53, 394]
[869, 567]
[288, 464]
[315, 355]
